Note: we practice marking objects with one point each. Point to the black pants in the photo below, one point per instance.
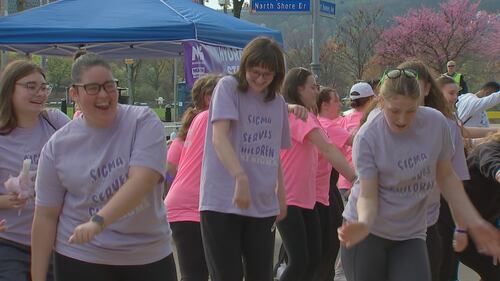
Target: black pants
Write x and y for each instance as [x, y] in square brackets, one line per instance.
[300, 232]
[380, 259]
[330, 219]
[237, 245]
[189, 246]
[446, 228]
[68, 269]
[434, 250]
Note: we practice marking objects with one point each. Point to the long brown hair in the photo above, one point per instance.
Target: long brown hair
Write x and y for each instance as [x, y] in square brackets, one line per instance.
[262, 52]
[295, 78]
[202, 87]
[12, 73]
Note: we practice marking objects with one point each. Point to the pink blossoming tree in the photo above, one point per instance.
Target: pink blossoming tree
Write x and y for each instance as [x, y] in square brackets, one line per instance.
[456, 29]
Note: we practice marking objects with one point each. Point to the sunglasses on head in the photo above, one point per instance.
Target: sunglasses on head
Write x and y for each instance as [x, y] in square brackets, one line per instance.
[396, 73]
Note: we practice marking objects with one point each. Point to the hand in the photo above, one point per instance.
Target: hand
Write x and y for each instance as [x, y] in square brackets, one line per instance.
[241, 197]
[11, 200]
[283, 210]
[84, 233]
[351, 234]
[460, 241]
[486, 238]
[3, 225]
[299, 111]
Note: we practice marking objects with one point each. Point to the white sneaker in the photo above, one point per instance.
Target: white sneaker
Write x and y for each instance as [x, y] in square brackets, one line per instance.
[339, 274]
[280, 270]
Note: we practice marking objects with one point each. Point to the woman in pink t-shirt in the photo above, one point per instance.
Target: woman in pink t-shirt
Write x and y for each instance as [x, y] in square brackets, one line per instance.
[360, 95]
[328, 199]
[300, 230]
[183, 197]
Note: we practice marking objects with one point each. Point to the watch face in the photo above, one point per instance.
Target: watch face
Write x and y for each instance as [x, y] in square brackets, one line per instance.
[98, 219]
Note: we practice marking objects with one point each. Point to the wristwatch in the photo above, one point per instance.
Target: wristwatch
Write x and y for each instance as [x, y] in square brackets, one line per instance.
[98, 220]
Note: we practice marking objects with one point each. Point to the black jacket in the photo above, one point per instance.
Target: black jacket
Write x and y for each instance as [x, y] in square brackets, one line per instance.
[482, 188]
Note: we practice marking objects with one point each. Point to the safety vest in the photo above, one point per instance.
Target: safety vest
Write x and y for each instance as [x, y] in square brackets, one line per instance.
[457, 77]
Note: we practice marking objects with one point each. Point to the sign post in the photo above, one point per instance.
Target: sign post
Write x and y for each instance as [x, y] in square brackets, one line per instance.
[278, 6]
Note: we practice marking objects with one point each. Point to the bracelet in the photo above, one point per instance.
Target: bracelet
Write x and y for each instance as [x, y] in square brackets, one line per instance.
[169, 178]
[461, 230]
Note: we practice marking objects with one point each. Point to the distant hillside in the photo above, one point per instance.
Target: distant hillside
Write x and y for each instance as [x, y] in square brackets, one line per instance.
[288, 23]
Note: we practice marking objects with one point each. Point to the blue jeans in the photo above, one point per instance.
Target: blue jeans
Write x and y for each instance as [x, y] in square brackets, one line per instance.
[15, 262]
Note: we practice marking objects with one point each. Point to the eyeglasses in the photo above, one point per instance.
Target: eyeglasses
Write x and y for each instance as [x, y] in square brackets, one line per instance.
[93, 89]
[33, 88]
[451, 65]
[266, 75]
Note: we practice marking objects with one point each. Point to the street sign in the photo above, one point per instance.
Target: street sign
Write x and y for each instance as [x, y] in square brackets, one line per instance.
[327, 8]
[279, 6]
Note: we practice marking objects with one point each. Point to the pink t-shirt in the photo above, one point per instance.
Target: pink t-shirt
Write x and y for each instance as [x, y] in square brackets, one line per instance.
[174, 151]
[351, 121]
[300, 163]
[339, 137]
[182, 202]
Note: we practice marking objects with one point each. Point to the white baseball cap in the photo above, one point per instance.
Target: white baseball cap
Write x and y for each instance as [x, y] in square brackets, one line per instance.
[361, 90]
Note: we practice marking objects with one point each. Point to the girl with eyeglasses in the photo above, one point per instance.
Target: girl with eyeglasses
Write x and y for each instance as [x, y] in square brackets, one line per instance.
[99, 188]
[401, 154]
[300, 230]
[25, 127]
[242, 192]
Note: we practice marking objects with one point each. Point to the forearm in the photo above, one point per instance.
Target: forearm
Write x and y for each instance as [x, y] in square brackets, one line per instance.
[44, 229]
[475, 132]
[171, 169]
[338, 161]
[367, 210]
[128, 197]
[227, 156]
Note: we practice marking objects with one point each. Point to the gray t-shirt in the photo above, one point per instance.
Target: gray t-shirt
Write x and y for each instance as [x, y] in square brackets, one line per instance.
[258, 131]
[459, 166]
[405, 165]
[81, 168]
[23, 144]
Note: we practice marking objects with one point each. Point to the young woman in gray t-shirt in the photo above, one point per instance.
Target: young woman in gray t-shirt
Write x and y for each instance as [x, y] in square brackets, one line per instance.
[401, 154]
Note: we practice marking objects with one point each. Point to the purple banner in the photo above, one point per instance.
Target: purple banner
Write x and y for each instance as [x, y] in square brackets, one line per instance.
[200, 58]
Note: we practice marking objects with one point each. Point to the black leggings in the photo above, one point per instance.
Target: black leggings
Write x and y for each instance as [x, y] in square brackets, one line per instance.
[446, 227]
[330, 218]
[300, 232]
[229, 239]
[190, 254]
[434, 250]
[380, 259]
[69, 269]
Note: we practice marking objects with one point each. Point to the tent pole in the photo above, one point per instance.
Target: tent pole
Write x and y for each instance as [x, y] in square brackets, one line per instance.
[4, 56]
[176, 102]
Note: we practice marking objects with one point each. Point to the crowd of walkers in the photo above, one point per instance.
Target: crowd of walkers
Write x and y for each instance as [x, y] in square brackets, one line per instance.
[396, 189]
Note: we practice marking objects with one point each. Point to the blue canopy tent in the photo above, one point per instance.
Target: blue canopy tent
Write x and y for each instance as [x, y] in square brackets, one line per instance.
[119, 29]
